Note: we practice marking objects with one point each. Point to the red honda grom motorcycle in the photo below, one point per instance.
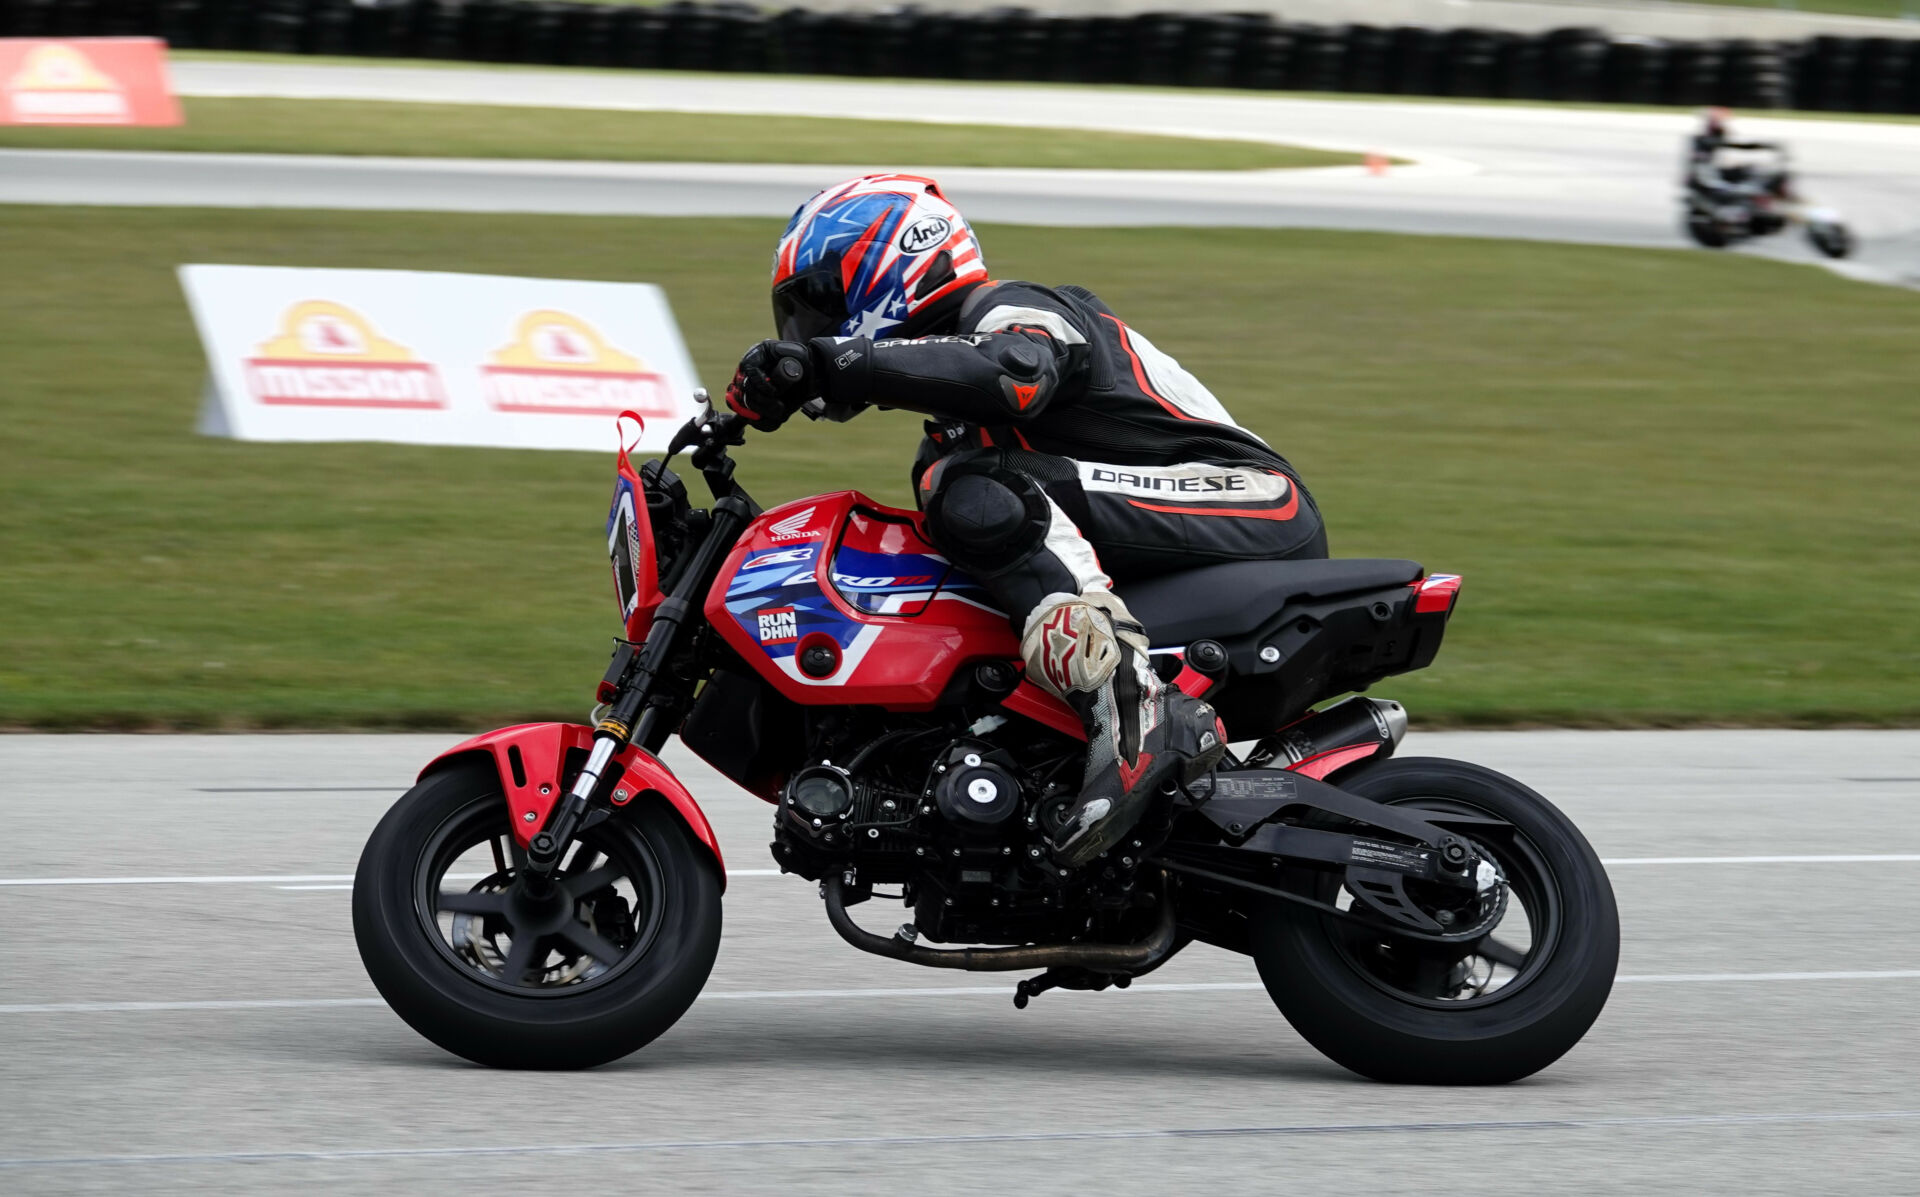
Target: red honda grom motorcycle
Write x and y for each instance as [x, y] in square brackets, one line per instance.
[549, 895]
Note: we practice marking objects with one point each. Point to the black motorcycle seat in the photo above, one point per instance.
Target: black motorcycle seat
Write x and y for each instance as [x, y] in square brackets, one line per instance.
[1232, 600]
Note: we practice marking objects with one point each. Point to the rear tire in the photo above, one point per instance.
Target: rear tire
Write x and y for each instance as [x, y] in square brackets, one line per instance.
[476, 1015]
[1313, 973]
[1706, 231]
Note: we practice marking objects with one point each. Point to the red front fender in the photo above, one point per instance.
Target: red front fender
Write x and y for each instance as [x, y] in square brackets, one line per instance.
[531, 758]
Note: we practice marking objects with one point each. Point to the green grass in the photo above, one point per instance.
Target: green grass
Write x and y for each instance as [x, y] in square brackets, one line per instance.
[1856, 8]
[1680, 485]
[485, 131]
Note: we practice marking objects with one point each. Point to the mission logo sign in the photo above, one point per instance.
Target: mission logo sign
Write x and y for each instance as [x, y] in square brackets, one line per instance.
[559, 363]
[85, 81]
[328, 355]
[440, 359]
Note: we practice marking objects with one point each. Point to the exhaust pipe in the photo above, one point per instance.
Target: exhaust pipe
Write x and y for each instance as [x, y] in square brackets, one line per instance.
[1323, 741]
[1095, 957]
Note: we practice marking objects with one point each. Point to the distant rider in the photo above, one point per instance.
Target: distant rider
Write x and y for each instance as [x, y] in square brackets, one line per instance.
[1063, 451]
[1707, 174]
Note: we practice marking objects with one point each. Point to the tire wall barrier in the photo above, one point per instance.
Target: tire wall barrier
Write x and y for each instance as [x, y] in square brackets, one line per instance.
[1221, 50]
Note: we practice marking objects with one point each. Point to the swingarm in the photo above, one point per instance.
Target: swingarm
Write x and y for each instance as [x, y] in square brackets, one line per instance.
[1282, 835]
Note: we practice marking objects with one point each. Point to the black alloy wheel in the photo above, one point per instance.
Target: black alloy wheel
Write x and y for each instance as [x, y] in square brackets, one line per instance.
[1524, 972]
[1522, 906]
[600, 914]
[571, 975]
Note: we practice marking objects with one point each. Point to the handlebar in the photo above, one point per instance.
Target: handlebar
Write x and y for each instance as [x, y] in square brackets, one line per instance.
[704, 433]
[710, 434]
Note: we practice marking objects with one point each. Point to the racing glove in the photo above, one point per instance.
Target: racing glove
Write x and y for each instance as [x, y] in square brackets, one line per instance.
[771, 383]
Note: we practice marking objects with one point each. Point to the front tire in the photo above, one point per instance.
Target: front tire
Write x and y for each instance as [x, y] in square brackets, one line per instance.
[1402, 1010]
[608, 965]
[1833, 240]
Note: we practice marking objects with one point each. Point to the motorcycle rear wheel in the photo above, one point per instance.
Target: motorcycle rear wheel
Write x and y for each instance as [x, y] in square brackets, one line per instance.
[594, 972]
[1707, 231]
[1398, 1009]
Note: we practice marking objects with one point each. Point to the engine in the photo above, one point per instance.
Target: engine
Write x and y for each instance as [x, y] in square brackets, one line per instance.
[976, 790]
[961, 829]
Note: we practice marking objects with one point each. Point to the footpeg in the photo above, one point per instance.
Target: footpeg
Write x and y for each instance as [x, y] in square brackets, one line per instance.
[1033, 987]
[1066, 978]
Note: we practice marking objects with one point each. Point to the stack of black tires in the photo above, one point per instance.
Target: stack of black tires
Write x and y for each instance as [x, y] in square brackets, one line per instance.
[1238, 50]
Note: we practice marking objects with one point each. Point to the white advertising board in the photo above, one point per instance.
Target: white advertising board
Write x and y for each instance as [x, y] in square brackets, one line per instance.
[435, 359]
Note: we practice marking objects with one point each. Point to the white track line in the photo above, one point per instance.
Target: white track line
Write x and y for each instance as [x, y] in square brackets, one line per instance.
[281, 880]
[1895, 858]
[334, 880]
[222, 879]
[1061, 1136]
[1001, 991]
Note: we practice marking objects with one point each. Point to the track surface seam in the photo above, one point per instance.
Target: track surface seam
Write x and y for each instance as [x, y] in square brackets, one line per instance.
[1206, 1132]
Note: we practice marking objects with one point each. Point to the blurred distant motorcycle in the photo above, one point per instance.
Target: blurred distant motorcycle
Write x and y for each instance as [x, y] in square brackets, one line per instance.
[548, 895]
[1758, 199]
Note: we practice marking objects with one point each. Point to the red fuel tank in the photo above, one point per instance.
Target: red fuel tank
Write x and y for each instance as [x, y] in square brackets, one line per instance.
[839, 600]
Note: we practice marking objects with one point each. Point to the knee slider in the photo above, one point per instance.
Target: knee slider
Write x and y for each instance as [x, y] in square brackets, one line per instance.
[992, 518]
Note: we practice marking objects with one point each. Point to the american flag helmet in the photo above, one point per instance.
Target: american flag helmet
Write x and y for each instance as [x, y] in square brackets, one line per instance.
[861, 258]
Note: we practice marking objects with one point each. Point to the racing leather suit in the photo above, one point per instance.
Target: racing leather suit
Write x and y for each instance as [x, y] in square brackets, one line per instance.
[1127, 466]
[1705, 175]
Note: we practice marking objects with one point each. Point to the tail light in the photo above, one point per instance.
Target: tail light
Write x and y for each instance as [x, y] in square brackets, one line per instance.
[1435, 592]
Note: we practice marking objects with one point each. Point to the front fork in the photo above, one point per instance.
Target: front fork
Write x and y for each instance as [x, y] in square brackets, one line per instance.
[569, 815]
[632, 717]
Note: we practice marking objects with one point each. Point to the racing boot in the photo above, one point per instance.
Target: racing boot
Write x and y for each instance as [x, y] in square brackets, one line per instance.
[1142, 734]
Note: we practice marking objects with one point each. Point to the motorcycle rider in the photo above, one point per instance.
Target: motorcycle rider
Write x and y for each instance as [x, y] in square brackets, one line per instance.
[1062, 451]
[1705, 174]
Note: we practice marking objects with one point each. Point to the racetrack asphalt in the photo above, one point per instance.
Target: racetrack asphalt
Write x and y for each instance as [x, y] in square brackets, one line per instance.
[182, 1009]
[1498, 170]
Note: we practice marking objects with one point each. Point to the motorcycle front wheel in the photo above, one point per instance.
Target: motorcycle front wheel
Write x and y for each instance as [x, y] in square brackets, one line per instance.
[595, 967]
[1494, 1009]
[1833, 240]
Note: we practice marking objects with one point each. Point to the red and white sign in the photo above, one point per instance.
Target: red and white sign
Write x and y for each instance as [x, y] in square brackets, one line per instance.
[559, 363]
[86, 81]
[436, 359]
[327, 355]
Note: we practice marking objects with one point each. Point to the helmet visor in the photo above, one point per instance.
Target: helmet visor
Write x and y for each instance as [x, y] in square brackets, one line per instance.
[813, 303]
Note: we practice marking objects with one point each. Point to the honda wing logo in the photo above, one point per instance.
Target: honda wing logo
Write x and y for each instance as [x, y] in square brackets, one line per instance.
[794, 526]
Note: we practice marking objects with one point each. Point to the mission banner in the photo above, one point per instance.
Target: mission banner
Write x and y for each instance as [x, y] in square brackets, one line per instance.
[435, 359]
[85, 81]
